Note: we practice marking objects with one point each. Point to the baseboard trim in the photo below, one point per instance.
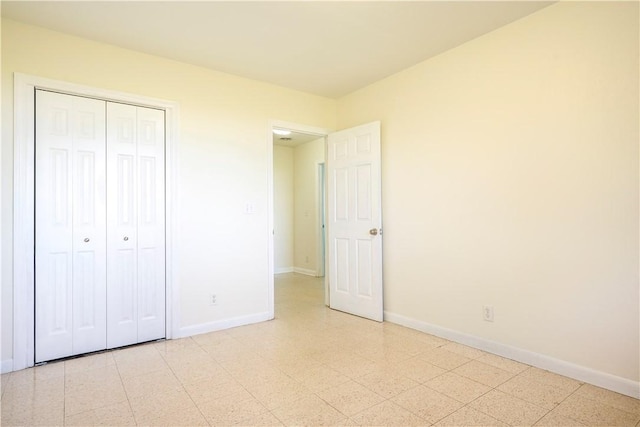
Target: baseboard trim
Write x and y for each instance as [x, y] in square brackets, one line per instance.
[220, 325]
[281, 270]
[305, 271]
[6, 366]
[571, 370]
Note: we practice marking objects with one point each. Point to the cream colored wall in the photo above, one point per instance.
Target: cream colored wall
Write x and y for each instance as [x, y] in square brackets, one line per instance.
[306, 205]
[223, 161]
[510, 178]
[283, 208]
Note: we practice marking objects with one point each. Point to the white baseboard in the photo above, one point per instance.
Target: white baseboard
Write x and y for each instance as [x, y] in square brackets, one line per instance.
[281, 270]
[305, 271]
[6, 366]
[571, 370]
[219, 325]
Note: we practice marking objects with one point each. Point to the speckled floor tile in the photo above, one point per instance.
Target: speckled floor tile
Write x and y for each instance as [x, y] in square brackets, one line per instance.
[208, 389]
[541, 394]
[173, 407]
[554, 419]
[319, 377]
[483, 373]
[459, 388]
[549, 378]
[277, 393]
[386, 383]
[508, 409]
[444, 358]
[616, 400]
[463, 350]
[503, 363]
[119, 414]
[87, 363]
[150, 383]
[470, 417]
[388, 414]
[594, 413]
[350, 398]
[427, 403]
[309, 411]
[233, 409]
[419, 369]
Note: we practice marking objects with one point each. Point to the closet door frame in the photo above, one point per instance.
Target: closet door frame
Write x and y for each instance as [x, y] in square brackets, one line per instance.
[23, 202]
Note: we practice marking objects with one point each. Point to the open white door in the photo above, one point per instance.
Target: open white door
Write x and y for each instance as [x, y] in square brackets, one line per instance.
[354, 221]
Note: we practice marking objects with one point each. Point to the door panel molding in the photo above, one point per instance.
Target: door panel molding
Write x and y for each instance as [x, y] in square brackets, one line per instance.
[23, 203]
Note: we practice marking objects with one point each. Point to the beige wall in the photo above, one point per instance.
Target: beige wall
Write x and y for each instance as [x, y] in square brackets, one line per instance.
[510, 178]
[283, 208]
[223, 161]
[306, 205]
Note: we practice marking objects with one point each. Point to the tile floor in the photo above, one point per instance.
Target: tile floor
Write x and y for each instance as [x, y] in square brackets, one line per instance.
[309, 366]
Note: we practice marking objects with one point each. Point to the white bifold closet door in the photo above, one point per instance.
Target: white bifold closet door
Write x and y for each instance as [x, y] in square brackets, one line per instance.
[99, 225]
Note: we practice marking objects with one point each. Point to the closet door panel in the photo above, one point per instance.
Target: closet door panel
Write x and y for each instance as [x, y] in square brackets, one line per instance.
[151, 225]
[89, 221]
[70, 217]
[122, 266]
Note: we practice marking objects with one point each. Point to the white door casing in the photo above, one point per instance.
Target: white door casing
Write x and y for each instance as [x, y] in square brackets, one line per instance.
[70, 214]
[354, 221]
[24, 194]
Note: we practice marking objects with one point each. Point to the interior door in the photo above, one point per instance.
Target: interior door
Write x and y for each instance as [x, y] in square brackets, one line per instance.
[355, 221]
[70, 275]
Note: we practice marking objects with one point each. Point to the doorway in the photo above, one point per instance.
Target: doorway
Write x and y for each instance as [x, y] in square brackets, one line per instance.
[298, 200]
[353, 228]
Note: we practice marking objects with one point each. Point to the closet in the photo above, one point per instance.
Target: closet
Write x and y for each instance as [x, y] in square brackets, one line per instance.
[99, 225]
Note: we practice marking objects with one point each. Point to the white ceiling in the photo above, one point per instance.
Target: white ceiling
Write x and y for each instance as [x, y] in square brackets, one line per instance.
[329, 48]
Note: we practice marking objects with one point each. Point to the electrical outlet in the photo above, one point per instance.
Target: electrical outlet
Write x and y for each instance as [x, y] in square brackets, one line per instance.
[487, 313]
[213, 299]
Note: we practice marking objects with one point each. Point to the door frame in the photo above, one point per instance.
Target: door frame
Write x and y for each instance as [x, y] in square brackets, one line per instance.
[321, 213]
[23, 203]
[296, 127]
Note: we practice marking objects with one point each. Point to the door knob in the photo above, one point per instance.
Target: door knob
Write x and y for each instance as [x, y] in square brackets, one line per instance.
[373, 231]
[126, 238]
[86, 239]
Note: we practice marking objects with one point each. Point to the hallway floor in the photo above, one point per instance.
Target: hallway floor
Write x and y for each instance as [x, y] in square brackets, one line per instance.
[309, 366]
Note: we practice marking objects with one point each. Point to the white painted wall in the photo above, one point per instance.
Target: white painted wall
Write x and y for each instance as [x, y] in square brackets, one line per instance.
[223, 163]
[283, 208]
[510, 178]
[306, 217]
